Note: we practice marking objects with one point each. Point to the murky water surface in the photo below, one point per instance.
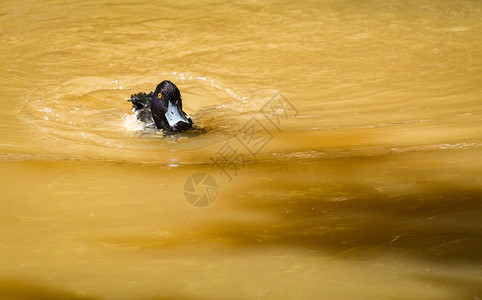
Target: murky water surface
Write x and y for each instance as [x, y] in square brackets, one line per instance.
[342, 140]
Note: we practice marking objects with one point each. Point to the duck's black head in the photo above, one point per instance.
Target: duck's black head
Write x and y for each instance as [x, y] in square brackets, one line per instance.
[167, 91]
[166, 108]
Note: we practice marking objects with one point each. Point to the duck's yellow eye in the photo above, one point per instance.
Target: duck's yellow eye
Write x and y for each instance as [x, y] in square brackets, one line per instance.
[159, 95]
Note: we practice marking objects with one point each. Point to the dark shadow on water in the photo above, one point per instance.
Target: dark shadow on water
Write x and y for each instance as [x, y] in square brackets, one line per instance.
[470, 288]
[335, 206]
[439, 224]
[191, 133]
[442, 224]
[195, 131]
[432, 221]
[22, 289]
[19, 289]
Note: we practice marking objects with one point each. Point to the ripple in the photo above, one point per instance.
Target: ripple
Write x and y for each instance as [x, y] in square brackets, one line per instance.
[89, 118]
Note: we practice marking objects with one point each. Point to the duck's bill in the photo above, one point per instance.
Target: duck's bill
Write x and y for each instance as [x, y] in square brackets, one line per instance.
[174, 115]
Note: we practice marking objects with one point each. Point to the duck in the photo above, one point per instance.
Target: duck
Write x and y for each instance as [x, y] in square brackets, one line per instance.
[161, 109]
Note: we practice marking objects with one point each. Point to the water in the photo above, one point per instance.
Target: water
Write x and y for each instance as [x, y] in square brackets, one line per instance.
[368, 187]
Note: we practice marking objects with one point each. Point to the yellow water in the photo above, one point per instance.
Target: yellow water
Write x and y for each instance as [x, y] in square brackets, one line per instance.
[368, 187]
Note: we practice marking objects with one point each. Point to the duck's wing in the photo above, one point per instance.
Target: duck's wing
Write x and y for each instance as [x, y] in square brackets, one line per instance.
[145, 115]
[141, 106]
[140, 100]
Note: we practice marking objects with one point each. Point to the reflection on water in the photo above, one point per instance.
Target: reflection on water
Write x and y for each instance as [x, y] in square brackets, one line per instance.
[372, 190]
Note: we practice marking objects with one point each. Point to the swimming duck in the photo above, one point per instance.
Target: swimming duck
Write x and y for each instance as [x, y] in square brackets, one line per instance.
[162, 109]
